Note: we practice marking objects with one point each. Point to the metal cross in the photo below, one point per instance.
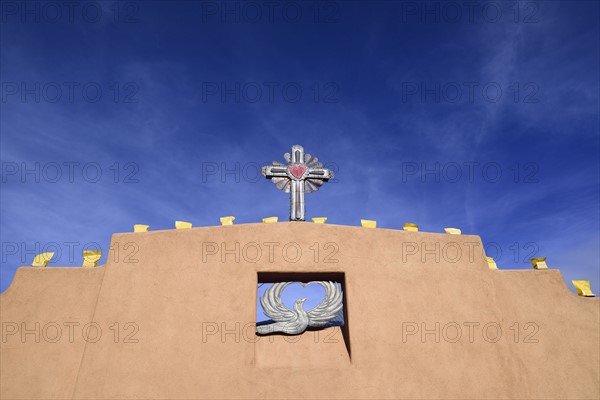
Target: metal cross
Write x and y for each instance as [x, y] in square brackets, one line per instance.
[303, 174]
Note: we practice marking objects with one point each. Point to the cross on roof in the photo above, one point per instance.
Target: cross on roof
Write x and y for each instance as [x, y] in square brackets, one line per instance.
[303, 174]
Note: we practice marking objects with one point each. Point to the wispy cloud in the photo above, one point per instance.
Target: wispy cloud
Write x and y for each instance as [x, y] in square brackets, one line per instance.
[371, 66]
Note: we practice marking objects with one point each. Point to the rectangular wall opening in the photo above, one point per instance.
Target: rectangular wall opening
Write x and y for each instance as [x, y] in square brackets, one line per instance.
[315, 296]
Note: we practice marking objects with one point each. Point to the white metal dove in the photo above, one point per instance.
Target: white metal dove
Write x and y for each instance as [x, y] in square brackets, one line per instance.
[297, 320]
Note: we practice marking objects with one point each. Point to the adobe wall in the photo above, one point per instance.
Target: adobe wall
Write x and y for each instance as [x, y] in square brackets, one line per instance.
[185, 315]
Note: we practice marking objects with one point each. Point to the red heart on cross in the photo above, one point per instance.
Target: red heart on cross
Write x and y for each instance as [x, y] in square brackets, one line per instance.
[297, 171]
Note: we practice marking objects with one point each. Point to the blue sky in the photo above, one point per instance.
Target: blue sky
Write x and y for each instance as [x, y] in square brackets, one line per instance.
[501, 98]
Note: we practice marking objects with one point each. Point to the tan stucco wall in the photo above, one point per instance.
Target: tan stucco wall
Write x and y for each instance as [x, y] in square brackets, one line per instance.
[182, 300]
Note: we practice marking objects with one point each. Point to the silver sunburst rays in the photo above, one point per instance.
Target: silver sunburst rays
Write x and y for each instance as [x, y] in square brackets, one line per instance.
[303, 174]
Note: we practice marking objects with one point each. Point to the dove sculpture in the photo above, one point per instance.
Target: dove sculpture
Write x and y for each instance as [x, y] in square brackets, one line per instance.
[296, 321]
